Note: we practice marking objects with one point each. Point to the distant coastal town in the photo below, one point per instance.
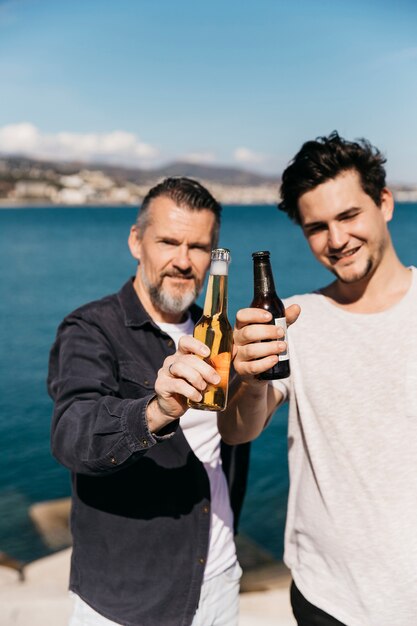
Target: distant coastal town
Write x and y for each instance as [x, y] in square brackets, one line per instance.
[32, 182]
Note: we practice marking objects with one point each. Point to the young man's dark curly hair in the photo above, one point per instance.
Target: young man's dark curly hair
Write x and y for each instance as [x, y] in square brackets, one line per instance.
[325, 158]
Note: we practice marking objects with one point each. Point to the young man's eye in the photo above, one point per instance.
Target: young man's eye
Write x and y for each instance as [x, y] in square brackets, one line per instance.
[311, 230]
[349, 216]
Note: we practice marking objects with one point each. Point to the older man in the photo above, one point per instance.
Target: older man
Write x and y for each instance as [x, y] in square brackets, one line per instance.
[151, 520]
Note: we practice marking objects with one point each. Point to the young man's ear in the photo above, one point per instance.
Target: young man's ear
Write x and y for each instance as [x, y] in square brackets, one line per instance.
[134, 242]
[387, 204]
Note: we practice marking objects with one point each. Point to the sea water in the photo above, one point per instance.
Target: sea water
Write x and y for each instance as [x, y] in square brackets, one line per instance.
[55, 259]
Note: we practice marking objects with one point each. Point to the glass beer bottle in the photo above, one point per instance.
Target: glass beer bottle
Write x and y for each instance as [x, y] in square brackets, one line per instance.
[215, 331]
[265, 297]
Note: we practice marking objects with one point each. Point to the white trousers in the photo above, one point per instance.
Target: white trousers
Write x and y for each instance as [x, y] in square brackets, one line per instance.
[219, 599]
[218, 606]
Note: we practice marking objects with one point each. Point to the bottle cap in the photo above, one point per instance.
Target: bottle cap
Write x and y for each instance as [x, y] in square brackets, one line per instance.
[221, 254]
[220, 259]
[262, 253]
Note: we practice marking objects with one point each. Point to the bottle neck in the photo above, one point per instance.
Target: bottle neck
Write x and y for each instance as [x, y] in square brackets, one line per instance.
[216, 295]
[263, 280]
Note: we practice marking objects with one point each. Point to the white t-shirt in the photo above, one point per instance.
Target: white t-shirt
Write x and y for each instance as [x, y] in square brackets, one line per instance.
[200, 430]
[351, 533]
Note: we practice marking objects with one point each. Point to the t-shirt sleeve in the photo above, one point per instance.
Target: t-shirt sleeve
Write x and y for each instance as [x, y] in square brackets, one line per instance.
[283, 386]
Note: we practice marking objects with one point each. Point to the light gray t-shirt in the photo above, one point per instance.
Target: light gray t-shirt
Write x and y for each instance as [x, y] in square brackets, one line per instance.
[351, 534]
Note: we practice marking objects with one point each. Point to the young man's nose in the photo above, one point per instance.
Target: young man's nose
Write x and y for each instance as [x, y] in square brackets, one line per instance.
[337, 237]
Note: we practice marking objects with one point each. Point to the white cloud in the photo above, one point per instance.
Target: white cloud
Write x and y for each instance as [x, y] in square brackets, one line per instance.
[249, 157]
[19, 138]
[116, 147]
[205, 158]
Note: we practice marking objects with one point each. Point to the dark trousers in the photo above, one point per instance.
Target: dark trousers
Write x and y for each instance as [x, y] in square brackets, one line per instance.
[307, 614]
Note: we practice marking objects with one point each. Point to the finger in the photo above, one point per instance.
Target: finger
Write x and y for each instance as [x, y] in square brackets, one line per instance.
[177, 387]
[256, 367]
[190, 345]
[260, 350]
[257, 332]
[292, 313]
[252, 316]
[194, 370]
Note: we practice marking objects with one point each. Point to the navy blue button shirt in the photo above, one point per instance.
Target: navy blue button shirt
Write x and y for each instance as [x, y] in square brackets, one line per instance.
[140, 514]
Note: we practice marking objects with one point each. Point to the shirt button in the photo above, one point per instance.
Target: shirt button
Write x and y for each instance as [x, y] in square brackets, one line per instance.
[170, 343]
[144, 442]
[201, 560]
[146, 381]
[206, 509]
[113, 460]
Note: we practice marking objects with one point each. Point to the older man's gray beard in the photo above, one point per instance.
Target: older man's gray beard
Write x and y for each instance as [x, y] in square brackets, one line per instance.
[166, 302]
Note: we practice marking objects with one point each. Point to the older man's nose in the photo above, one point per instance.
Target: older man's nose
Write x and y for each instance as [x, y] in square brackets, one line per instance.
[182, 258]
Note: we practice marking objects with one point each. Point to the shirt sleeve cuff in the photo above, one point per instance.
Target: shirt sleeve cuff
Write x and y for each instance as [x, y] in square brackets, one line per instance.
[137, 430]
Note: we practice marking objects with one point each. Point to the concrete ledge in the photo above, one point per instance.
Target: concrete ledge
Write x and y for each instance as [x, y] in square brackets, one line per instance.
[261, 571]
[8, 565]
[42, 599]
[266, 608]
[51, 520]
[264, 598]
[8, 576]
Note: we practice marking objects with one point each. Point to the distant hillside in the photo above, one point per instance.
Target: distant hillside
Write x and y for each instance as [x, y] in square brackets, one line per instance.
[215, 174]
[224, 175]
[26, 181]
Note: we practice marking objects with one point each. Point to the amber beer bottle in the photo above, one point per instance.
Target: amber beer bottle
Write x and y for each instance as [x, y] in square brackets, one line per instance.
[265, 297]
[215, 331]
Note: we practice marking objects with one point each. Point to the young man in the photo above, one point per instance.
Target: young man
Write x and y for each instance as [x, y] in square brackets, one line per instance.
[151, 519]
[351, 540]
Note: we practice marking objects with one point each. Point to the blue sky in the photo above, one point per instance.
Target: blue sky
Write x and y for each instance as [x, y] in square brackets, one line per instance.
[241, 83]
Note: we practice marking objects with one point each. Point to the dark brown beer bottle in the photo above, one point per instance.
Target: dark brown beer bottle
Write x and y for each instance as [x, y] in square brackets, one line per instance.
[265, 297]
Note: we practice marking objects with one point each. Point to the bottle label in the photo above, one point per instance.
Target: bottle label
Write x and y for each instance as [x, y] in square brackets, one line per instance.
[221, 363]
[281, 321]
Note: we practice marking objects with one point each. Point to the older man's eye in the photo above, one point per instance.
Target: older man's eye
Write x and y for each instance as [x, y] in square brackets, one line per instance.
[200, 247]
